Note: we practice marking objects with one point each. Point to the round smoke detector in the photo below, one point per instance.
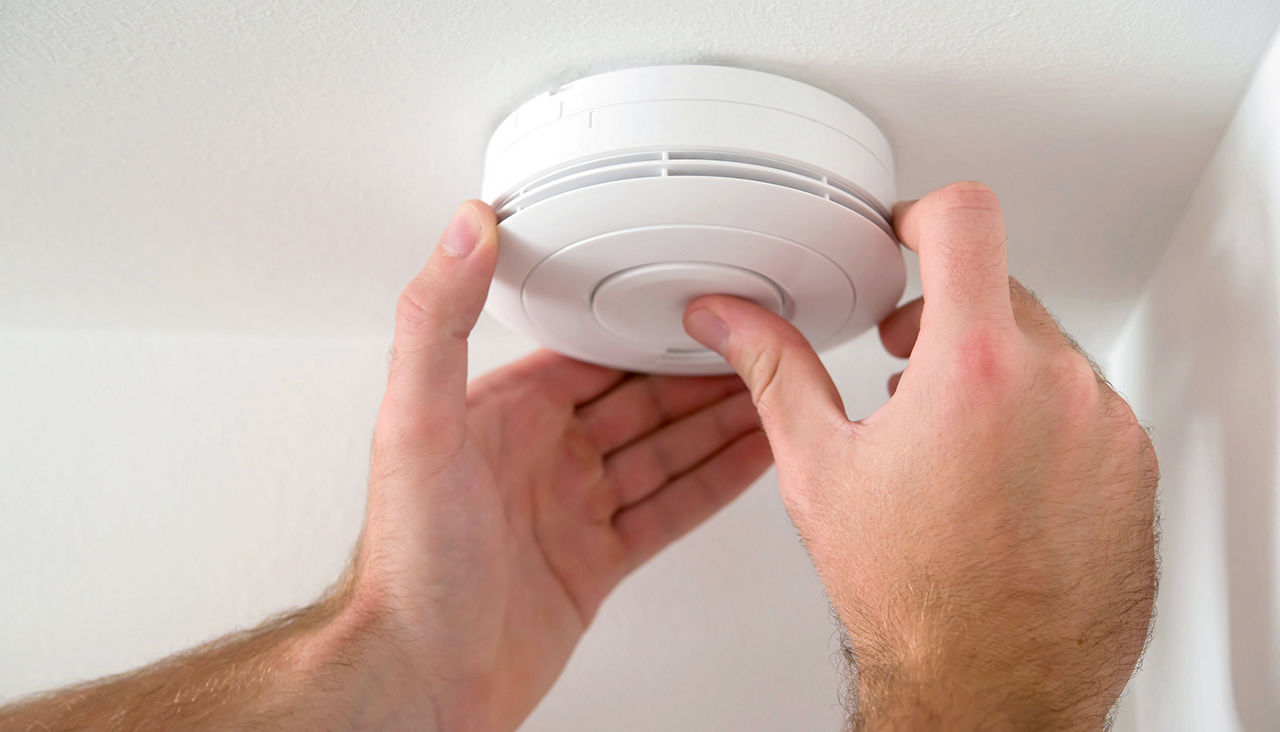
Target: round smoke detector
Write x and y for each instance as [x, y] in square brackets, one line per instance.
[624, 196]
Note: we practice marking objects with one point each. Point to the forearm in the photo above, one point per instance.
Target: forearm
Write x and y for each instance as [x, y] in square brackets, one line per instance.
[932, 683]
[899, 701]
[326, 666]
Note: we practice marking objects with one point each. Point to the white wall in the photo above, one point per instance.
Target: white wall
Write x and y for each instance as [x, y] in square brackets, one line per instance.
[1198, 359]
[172, 163]
[157, 490]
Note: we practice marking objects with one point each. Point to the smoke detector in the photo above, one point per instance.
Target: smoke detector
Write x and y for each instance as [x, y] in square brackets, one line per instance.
[624, 196]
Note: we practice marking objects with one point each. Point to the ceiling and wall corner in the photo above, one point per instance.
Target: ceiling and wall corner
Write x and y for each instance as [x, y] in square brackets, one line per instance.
[244, 188]
[1202, 370]
[283, 167]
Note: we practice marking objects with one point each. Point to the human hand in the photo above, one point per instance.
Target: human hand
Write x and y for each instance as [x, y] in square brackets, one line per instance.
[987, 536]
[501, 514]
[499, 517]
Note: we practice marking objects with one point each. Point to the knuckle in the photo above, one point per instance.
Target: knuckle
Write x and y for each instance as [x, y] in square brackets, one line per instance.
[967, 195]
[989, 360]
[1072, 379]
[415, 310]
[761, 374]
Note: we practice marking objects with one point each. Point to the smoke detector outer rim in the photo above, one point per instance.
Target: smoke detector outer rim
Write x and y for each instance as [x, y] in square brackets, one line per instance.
[653, 175]
[689, 106]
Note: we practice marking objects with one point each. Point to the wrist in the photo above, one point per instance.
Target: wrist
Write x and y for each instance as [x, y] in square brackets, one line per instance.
[360, 652]
[931, 684]
[895, 701]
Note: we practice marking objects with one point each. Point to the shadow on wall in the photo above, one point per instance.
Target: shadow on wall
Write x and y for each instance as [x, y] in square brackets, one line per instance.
[1210, 359]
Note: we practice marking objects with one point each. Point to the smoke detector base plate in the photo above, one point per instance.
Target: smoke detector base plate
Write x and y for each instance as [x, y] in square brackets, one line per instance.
[624, 196]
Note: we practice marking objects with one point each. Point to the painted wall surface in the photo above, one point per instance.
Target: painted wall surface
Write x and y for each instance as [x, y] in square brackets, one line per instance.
[1199, 361]
[158, 490]
[241, 166]
[206, 211]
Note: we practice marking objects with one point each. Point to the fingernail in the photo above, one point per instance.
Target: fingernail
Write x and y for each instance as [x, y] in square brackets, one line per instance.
[707, 328]
[463, 232]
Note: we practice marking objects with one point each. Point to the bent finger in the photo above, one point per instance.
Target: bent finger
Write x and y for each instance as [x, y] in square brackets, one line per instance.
[958, 233]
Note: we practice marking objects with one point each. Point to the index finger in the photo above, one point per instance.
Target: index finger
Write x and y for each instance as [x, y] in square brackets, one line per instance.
[958, 232]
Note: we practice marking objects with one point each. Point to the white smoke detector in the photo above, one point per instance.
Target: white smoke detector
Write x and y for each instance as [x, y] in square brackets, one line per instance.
[624, 196]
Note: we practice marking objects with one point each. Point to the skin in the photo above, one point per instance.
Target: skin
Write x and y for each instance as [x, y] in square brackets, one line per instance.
[986, 538]
[499, 516]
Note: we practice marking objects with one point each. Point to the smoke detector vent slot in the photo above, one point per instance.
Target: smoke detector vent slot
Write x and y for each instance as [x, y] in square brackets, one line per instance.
[688, 162]
[624, 196]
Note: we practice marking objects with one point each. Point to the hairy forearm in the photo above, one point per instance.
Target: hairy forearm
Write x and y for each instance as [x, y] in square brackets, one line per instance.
[327, 666]
[911, 705]
[899, 700]
[931, 678]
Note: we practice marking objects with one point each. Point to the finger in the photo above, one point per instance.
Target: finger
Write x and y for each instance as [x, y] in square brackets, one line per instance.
[792, 390]
[646, 465]
[898, 331]
[577, 381]
[426, 386]
[643, 403]
[667, 514]
[958, 232]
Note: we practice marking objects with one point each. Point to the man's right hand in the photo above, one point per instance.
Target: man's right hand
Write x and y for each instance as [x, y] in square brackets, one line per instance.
[987, 536]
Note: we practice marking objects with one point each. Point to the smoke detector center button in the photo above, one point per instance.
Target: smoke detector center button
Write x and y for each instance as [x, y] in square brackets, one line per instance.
[645, 304]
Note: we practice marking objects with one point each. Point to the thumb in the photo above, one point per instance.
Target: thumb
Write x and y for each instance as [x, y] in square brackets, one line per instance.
[791, 388]
[426, 386]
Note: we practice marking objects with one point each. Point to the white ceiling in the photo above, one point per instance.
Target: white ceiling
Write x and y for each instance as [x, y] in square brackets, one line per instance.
[285, 166]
